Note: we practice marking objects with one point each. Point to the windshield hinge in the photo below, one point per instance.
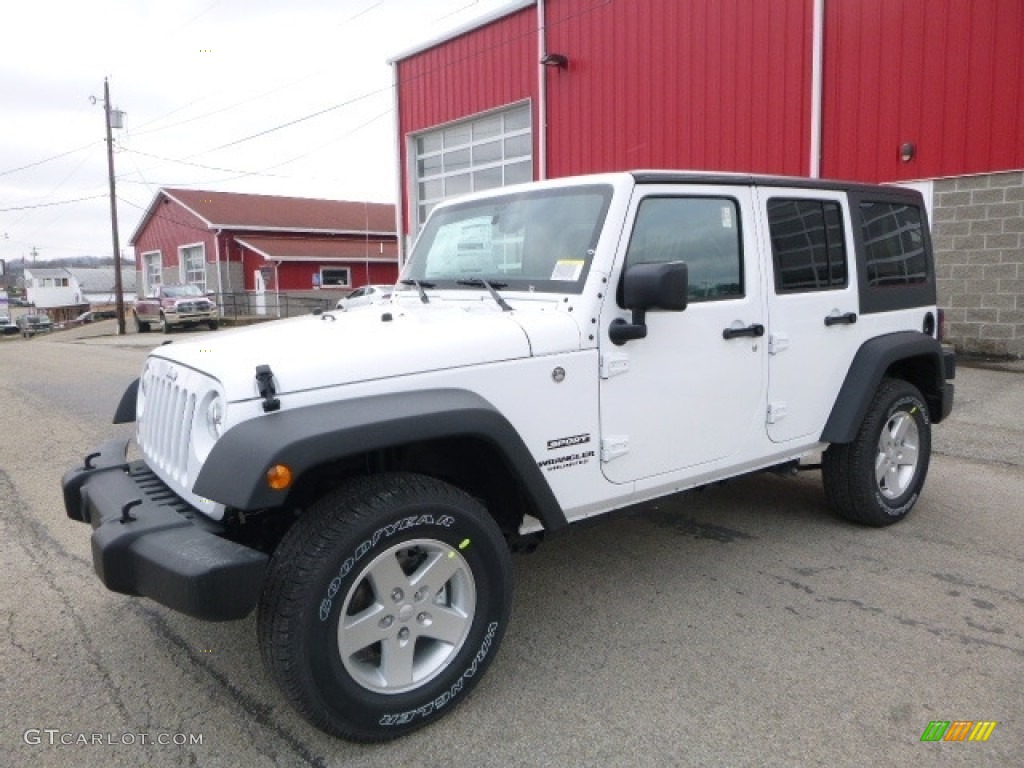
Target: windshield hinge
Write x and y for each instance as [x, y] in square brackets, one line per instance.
[613, 365]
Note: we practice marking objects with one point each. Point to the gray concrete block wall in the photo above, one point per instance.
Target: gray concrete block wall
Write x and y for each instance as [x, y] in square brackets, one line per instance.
[978, 235]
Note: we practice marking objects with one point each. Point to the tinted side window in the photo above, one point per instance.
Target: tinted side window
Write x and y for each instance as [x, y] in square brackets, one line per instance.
[894, 247]
[702, 231]
[808, 247]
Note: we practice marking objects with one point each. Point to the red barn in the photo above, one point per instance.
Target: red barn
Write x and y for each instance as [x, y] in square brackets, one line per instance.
[929, 91]
[262, 253]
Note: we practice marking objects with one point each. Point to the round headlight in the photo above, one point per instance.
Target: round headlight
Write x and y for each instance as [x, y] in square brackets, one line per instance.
[215, 416]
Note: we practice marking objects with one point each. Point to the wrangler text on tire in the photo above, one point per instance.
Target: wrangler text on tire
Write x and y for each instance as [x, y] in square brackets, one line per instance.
[877, 478]
[384, 605]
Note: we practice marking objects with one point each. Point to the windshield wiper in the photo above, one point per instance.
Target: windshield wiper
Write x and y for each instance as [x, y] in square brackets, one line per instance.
[479, 282]
[419, 287]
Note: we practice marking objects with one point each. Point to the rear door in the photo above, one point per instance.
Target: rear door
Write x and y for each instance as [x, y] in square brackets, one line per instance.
[812, 305]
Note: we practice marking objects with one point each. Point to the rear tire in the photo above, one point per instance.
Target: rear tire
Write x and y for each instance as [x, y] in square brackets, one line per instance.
[140, 327]
[384, 605]
[877, 479]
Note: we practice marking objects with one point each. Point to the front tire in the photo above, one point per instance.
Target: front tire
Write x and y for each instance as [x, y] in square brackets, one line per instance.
[384, 605]
[877, 479]
[165, 327]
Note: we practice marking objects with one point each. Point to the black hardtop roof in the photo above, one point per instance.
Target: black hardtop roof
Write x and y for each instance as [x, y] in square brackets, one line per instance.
[748, 180]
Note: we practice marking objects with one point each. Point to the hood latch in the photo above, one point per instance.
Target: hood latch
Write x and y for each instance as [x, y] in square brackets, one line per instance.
[265, 384]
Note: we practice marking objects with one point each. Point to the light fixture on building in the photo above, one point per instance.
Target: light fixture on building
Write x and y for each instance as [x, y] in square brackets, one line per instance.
[907, 151]
[557, 60]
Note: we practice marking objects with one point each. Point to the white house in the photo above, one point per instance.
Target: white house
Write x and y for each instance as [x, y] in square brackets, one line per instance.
[53, 291]
[64, 293]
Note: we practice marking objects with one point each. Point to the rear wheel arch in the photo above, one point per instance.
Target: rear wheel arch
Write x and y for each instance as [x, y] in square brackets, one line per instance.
[906, 355]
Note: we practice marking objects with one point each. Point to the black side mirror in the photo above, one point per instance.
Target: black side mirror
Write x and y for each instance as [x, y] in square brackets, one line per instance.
[649, 286]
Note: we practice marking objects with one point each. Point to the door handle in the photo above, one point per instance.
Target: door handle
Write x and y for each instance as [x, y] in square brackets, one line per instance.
[754, 330]
[847, 319]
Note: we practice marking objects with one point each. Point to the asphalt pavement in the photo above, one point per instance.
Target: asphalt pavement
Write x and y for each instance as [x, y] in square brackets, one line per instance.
[738, 626]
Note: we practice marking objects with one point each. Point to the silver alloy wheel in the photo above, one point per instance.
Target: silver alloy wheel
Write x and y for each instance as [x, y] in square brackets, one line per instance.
[406, 616]
[897, 459]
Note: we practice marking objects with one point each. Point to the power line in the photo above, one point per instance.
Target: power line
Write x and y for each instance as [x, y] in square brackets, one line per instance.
[46, 159]
[200, 165]
[50, 205]
[240, 173]
[476, 53]
[249, 100]
[296, 121]
[361, 13]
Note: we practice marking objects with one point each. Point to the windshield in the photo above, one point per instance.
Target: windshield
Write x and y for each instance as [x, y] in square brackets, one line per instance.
[179, 291]
[540, 240]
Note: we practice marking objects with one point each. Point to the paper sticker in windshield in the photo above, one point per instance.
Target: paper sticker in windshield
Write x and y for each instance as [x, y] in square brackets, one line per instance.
[568, 269]
[461, 248]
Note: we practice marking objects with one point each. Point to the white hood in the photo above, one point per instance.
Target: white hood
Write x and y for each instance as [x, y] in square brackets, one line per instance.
[361, 345]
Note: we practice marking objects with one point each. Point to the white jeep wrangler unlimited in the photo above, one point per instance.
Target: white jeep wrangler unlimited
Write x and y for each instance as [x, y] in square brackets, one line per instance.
[555, 351]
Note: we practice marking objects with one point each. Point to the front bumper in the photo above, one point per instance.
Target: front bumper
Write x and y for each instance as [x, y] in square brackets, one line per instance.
[147, 541]
[191, 317]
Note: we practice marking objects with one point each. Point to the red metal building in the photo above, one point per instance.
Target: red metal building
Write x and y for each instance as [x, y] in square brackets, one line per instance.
[869, 90]
[240, 244]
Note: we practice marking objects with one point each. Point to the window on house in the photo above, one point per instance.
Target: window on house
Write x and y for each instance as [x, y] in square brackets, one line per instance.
[807, 245]
[193, 265]
[335, 277]
[893, 244]
[702, 231]
[495, 150]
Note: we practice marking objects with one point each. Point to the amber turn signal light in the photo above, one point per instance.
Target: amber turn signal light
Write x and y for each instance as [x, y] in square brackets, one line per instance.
[279, 477]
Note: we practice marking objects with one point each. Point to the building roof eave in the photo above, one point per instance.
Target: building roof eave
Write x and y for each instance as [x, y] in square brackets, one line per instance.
[498, 13]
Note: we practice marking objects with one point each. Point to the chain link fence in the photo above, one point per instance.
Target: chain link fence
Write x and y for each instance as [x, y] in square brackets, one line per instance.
[242, 305]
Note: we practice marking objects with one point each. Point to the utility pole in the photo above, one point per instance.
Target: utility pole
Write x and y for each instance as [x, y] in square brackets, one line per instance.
[118, 287]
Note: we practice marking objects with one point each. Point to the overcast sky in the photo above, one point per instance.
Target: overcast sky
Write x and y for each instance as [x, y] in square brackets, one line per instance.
[196, 79]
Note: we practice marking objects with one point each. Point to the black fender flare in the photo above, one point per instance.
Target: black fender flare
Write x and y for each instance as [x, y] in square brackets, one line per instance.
[125, 413]
[869, 365]
[234, 473]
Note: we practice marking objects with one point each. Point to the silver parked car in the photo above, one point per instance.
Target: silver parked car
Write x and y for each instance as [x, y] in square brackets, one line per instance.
[30, 325]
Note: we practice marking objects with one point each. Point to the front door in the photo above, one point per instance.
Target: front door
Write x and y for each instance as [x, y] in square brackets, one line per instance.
[692, 392]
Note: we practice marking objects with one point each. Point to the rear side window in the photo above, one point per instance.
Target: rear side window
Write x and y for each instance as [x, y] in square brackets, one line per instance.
[894, 244]
[808, 247]
[702, 231]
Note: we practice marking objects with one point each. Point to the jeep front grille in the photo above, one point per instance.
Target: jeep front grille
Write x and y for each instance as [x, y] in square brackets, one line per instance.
[165, 427]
